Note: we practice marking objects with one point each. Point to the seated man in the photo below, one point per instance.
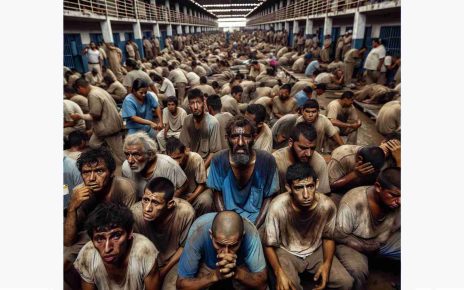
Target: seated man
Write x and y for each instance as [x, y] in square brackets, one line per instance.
[301, 149]
[257, 114]
[200, 197]
[333, 81]
[173, 118]
[200, 131]
[97, 168]
[352, 166]
[214, 106]
[230, 103]
[369, 223]
[302, 96]
[143, 164]
[165, 220]
[204, 87]
[115, 89]
[94, 77]
[70, 125]
[222, 249]
[299, 234]
[324, 128]
[71, 94]
[389, 118]
[283, 104]
[77, 143]
[243, 179]
[342, 114]
[166, 86]
[116, 258]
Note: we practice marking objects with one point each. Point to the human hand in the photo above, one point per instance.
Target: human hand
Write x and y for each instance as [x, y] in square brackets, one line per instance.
[79, 195]
[283, 282]
[225, 266]
[75, 117]
[364, 169]
[323, 274]
[394, 146]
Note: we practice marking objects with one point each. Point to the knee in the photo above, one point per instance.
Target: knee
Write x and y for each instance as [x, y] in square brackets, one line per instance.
[206, 198]
[345, 281]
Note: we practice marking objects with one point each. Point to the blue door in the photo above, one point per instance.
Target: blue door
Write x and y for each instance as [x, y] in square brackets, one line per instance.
[368, 38]
[96, 37]
[129, 35]
[120, 44]
[391, 39]
[320, 35]
[162, 40]
[334, 36]
[147, 34]
[290, 34]
[72, 51]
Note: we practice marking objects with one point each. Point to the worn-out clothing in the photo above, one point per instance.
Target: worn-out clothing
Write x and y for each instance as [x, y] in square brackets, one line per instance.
[300, 235]
[255, 72]
[195, 171]
[264, 141]
[371, 91]
[230, 105]
[324, 78]
[389, 118]
[134, 74]
[246, 201]
[373, 58]
[204, 140]
[292, 265]
[324, 130]
[347, 115]
[299, 65]
[317, 163]
[132, 107]
[82, 101]
[69, 107]
[284, 126]
[199, 248]
[223, 119]
[263, 92]
[165, 167]
[174, 122]
[177, 76]
[142, 258]
[168, 88]
[169, 236]
[102, 104]
[283, 108]
[206, 89]
[343, 161]
[117, 91]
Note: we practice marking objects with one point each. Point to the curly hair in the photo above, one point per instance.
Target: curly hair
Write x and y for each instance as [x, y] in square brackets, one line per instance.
[93, 155]
[107, 216]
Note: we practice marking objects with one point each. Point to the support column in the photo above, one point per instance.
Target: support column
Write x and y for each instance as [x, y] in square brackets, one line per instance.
[309, 27]
[375, 32]
[359, 27]
[138, 37]
[156, 30]
[198, 29]
[169, 29]
[187, 29]
[287, 26]
[327, 26]
[107, 31]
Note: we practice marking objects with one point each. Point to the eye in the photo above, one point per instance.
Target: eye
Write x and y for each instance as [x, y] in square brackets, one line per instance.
[99, 239]
[116, 235]
[145, 200]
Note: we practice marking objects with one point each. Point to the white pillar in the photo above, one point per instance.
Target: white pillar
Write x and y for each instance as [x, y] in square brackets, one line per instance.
[85, 37]
[287, 26]
[187, 29]
[169, 30]
[309, 27]
[327, 26]
[359, 27]
[296, 28]
[166, 3]
[107, 31]
[375, 32]
[198, 29]
[179, 29]
[156, 30]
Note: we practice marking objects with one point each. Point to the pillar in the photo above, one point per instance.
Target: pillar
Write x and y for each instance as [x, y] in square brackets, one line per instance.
[187, 29]
[342, 30]
[106, 30]
[327, 26]
[138, 37]
[308, 27]
[169, 29]
[287, 26]
[156, 30]
[359, 27]
[198, 29]
[375, 32]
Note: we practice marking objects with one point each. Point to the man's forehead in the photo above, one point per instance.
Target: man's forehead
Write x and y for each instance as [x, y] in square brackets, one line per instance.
[107, 231]
[241, 130]
[134, 148]
[302, 140]
[153, 195]
[95, 164]
[305, 181]
[222, 239]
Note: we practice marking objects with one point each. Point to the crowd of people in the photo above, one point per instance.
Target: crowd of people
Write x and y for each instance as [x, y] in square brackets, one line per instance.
[202, 165]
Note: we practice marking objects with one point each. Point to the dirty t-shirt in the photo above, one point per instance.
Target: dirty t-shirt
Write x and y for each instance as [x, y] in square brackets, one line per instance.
[317, 163]
[177, 76]
[142, 258]
[299, 65]
[169, 236]
[343, 161]
[195, 171]
[284, 126]
[389, 118]
[246, 201]
[175, 122]
[204, 140]
[69, 107]
[223, 119]
[263, 91]
[230, 104]
[264, 141]
[283, 108]
[136, 74]
[336, 111]
[300, 235]
[354, 218]
[116, 88]
[199, 248]
[165, 167]
[82, 102]
[206, 89]
[102, 104]
[324, 129]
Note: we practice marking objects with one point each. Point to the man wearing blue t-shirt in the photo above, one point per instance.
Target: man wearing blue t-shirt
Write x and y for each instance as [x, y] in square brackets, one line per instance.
[312, 67]
[303, 95]
[243, 179]
[223, 250]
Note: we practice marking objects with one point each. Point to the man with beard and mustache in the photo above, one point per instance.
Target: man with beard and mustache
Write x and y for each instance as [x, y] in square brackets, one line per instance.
[143, 164]
[165, 220]
[243, 179]
[200, 131]
[301, 149]
[369, 223]
[299, 232]
[283, 104]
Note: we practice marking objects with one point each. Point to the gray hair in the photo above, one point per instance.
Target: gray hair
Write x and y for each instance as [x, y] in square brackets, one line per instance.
[141, 138]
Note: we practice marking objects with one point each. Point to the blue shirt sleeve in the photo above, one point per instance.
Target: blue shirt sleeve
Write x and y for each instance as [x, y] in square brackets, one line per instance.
[190, 259]
[129, 108]
[272, 181]
[254, 260]
[308, 70]
[152, 100]
[215, 180]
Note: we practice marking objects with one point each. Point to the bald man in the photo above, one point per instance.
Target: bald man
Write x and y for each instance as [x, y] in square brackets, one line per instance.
[223, 250]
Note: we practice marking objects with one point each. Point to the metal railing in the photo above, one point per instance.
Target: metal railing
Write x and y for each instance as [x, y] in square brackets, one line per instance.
[305, 8]
[133, 9]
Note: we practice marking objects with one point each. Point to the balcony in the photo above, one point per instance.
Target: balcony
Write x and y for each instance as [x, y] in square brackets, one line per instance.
[131, 10]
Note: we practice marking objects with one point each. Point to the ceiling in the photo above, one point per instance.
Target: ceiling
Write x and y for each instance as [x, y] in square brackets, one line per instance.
[229, 8]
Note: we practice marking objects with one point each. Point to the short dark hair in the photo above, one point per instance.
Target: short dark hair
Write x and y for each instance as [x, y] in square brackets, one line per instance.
[299, 171]
[214, 101]
[389, 178]
[236, 89]
[203, 80]
[172, 99]
[287, 87]
[80, 82]
[156, 77]
[130, 62]
[75, 138]
[308, 89]
[92, 155]
[195, 93]
[307, 130]
[239, 121]
[108, 79]
[161, 184]
[173, 144]
[139, 84]
[311, 103]
[347, 95]
[393, 136]
[215, 84]
[258, 110]
[107, 216]
[374, 155]
[321, 87]
[67, 89]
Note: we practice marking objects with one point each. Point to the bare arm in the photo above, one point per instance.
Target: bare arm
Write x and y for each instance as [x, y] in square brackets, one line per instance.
[262, 212]
[199, 189]
[87, 286]
[283, 282]
[181, 189]
[70, 227]
[218, 200]
[197, 283]
[153, 88]
[363, 246]
[341, 124]
[208, 160]
[336, 137]
[171, 262]
[353, 178]
[152, 280]
[251, 280]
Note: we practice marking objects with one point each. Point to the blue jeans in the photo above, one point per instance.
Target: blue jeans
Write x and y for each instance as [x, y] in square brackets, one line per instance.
[152, 132]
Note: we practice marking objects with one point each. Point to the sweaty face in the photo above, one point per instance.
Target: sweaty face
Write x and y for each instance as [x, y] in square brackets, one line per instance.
[196, 106]
[303, 149]
[153, 204]
[172, 107]
[240, 144]
[390, 197]
[179, 157]
[112, 245]
[284, 94]
[136, 157]
[303, 192]
[310, 115]
[96, 175]
[140, 93]
[226, 245]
